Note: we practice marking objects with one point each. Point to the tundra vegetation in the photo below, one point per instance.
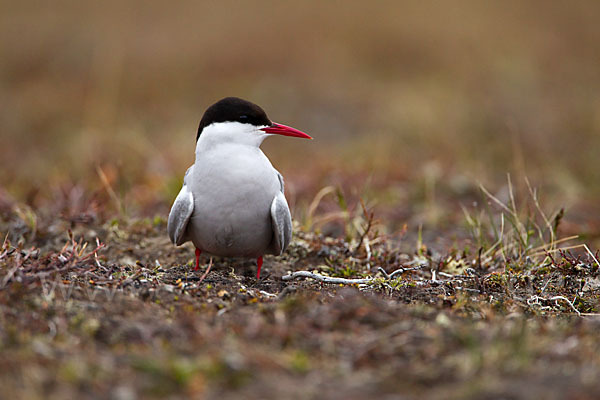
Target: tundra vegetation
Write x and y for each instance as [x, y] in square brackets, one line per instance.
[446, 215]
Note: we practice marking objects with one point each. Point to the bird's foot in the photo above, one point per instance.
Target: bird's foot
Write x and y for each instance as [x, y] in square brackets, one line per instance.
[198, 252]
[259, 263]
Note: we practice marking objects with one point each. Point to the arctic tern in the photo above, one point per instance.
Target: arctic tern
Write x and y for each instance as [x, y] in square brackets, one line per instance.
[232, 202]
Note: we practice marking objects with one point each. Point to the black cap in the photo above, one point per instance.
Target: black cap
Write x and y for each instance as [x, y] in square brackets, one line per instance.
[233, 109]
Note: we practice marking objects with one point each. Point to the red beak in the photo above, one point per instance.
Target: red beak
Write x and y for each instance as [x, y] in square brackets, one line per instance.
[284, 130]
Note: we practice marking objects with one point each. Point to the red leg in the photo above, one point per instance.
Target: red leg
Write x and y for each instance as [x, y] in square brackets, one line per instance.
[259, 262]
[198, 252]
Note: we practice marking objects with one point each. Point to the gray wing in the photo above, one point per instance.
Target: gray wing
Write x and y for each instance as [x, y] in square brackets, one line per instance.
[180, 214]
[281, 220]
[281, 184]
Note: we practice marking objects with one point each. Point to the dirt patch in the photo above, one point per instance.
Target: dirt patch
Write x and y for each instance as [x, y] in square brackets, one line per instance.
[113, 309]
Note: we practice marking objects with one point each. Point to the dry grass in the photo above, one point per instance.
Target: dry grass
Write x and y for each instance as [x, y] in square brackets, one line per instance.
[112, 309]
[477, 287]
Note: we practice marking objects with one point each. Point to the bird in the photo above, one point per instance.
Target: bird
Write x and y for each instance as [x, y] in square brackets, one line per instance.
[232, 201]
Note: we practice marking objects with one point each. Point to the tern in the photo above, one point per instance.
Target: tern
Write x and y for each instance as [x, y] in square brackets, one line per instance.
[232, 202]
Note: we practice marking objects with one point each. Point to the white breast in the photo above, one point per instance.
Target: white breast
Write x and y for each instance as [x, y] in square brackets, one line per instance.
[233, 187]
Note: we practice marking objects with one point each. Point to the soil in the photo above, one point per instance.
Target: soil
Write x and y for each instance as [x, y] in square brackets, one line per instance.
[113, 310]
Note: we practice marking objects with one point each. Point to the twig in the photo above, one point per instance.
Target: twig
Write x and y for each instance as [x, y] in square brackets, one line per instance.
[9, 276]
[591, 254]
[533, 194]
[109, 189]
[4, 247]
[546, 284]
[370, 218]
[398, 271]
[467, 289]
[206, 272]
[368, 248]
[267, 294]
[96, 252]
[543, 247]
[130, 279]
[453, 277]
[387, 276]
[403, 270]
[92, 253]
[325, 279]
[560, 249]
[536, 300]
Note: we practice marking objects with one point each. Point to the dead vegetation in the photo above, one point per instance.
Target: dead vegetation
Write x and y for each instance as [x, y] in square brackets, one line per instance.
[111, 307]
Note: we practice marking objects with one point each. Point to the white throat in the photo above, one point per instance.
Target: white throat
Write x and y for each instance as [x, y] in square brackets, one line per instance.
[230, 133]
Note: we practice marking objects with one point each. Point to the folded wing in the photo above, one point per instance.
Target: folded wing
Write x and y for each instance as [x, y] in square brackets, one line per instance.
[180, 214]
[281, 221]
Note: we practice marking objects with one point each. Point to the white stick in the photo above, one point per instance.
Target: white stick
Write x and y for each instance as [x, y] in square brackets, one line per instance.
[591, 254]
[536, 300]
[325, 279]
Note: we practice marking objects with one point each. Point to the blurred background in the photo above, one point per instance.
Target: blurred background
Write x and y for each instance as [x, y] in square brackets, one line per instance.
[411, 104]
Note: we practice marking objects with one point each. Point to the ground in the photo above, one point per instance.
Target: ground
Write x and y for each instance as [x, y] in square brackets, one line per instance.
[112, 309]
